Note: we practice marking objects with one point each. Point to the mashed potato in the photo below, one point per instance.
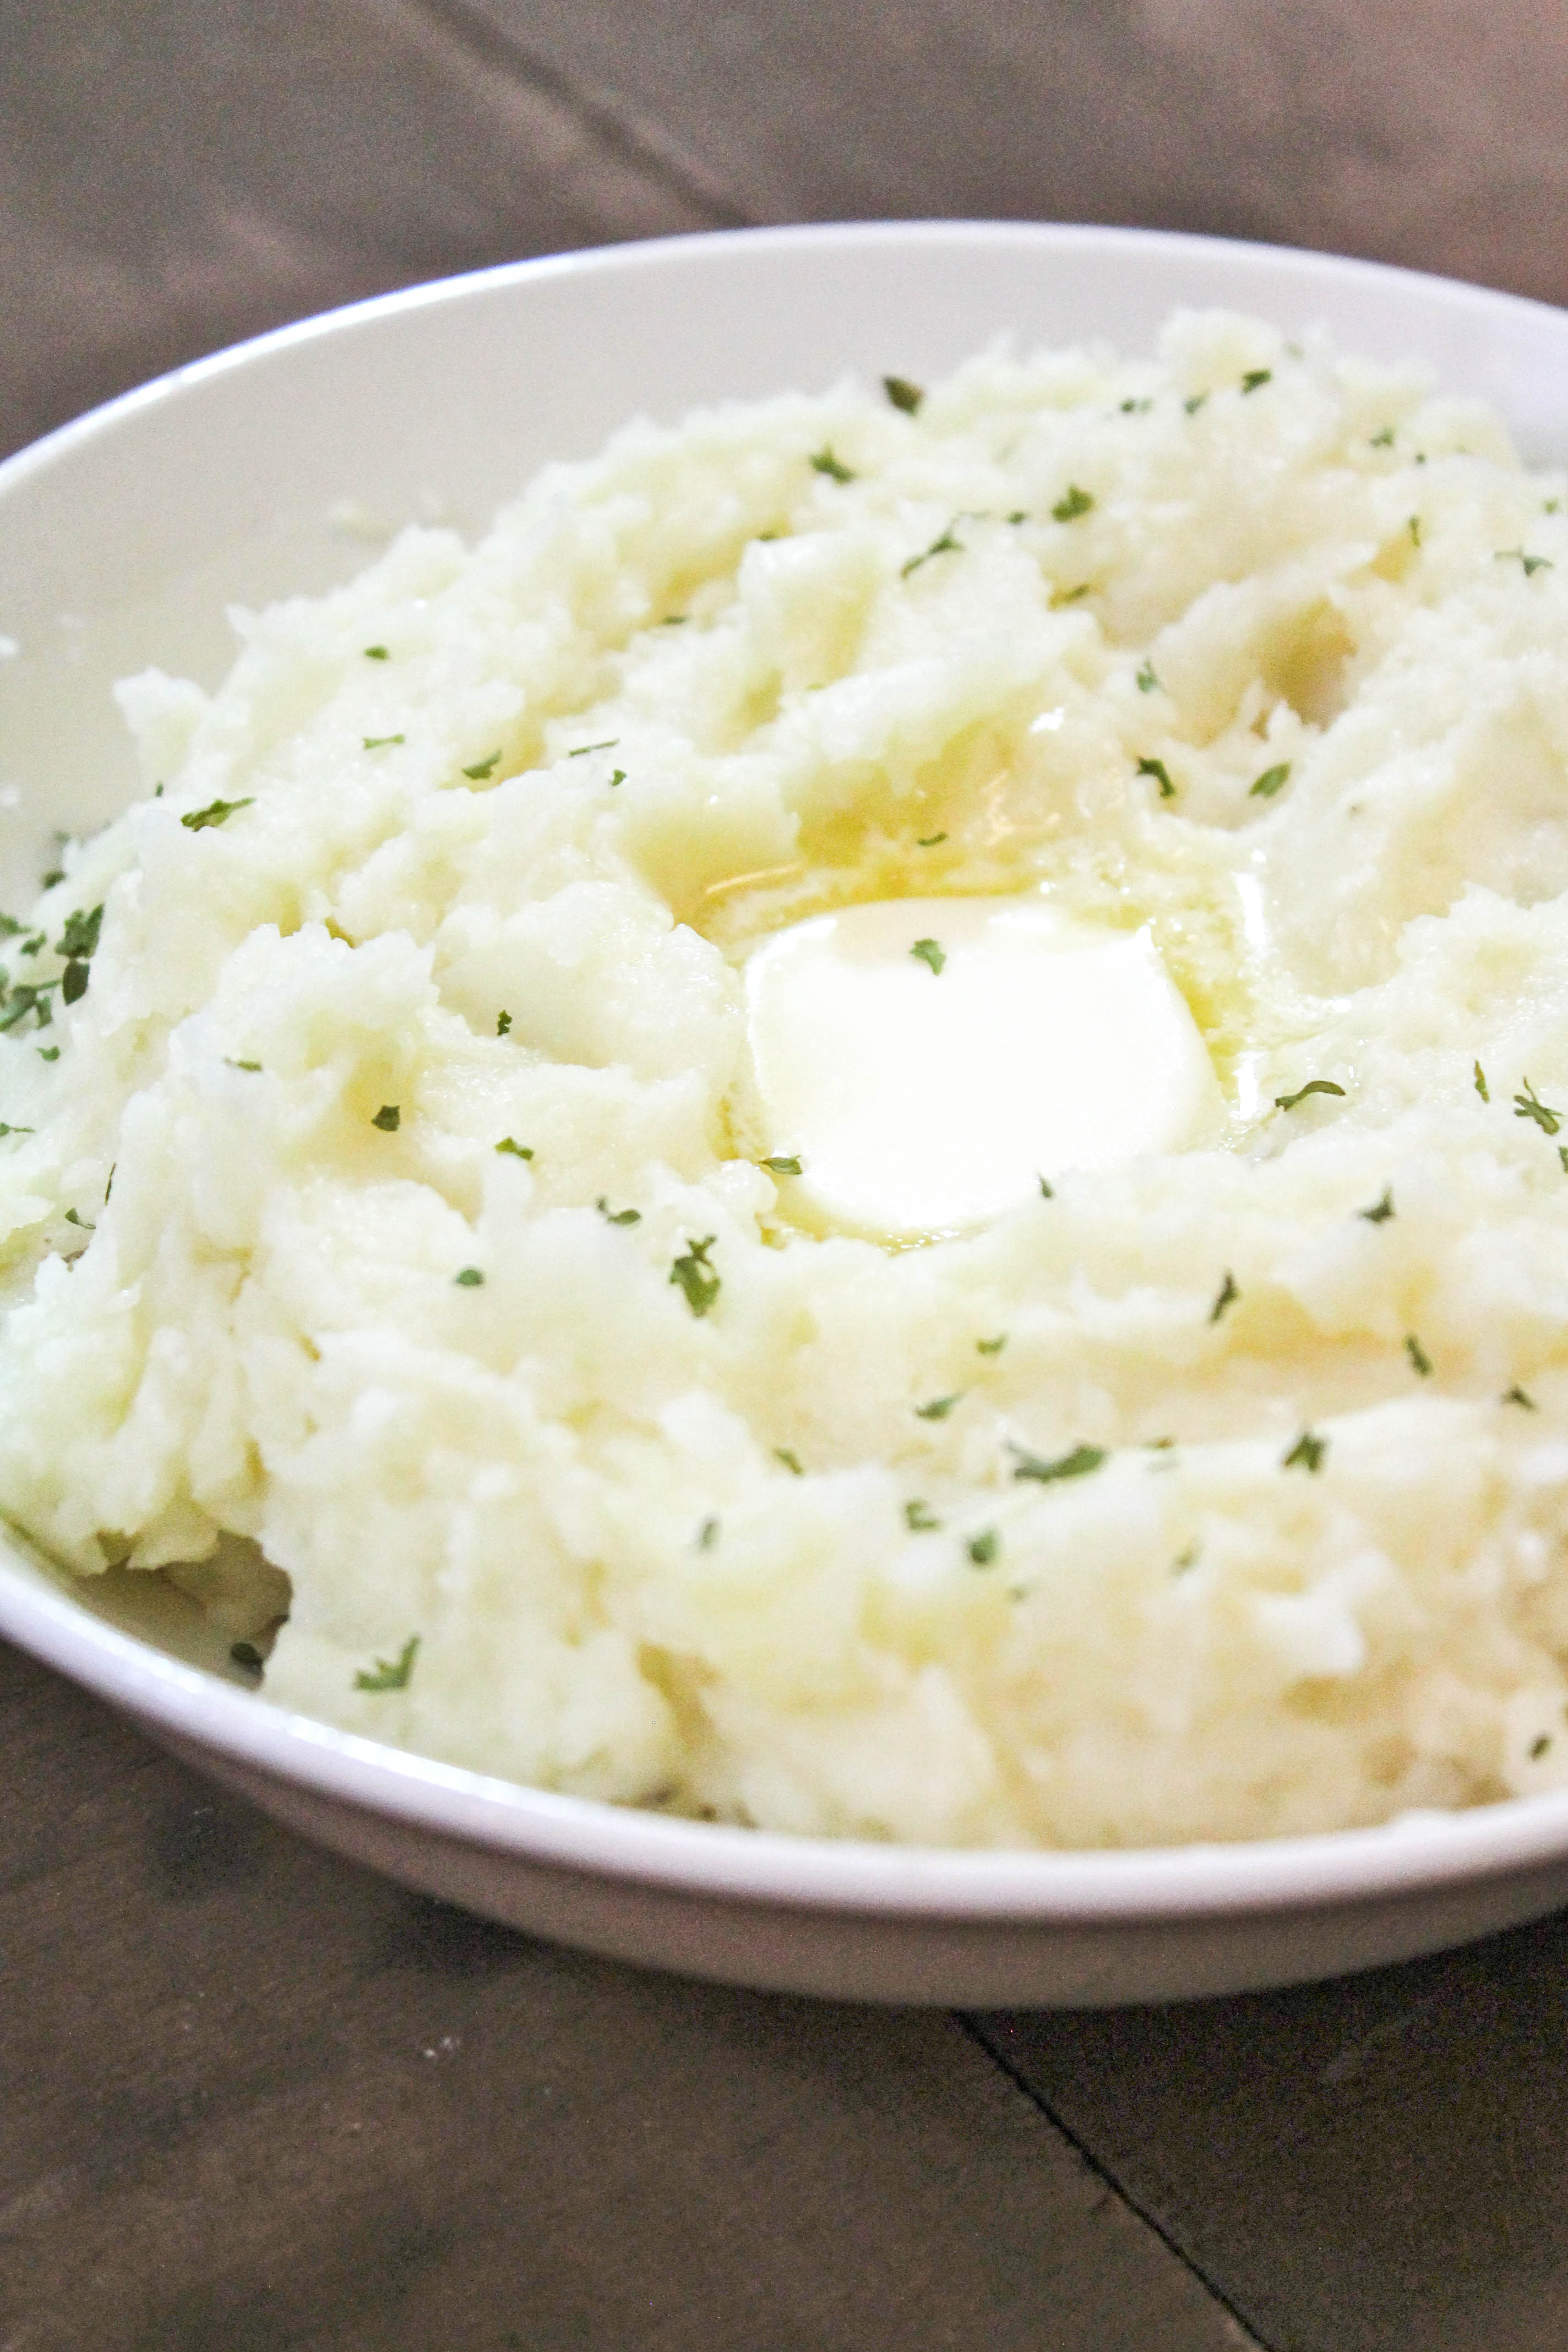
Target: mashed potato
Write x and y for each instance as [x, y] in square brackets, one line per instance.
[383, 1211]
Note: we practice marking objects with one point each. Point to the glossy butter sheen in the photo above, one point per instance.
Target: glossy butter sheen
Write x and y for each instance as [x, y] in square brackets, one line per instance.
[923, 1092]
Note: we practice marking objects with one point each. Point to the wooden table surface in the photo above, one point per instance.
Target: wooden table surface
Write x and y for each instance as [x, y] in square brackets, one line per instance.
[251, 2099]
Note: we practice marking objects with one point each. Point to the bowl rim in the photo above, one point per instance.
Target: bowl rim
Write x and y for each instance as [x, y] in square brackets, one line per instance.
[1414, 1853]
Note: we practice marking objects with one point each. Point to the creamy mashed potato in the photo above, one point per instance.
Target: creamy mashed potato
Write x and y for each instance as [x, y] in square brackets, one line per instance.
[382, 1174]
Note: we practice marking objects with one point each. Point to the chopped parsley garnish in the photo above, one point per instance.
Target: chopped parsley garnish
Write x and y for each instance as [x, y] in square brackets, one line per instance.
[1071, 504]
[790, 1460]
[945, 544]
[1383, 440]
[73, 983]
[928, 951]
[929, 840]
[1018, 515]
[619, 777]
[79, 940]
[503, 1023]
[469, 1277]
[1162, 775]
[1255, 378]
[1070, 595]
[1307, 1454]
[518, 1150]
[1045, 1191]
[483, 769]
[72, 1218]
[708, 1535]
[1532, 563]
[939, 1408]
[376, 742]
[991, 1347]
[674, 620]
[824, 462]
[1418, 1355]
[695, 1276]
[1272, 781]
[1481, 1084]
[1516, 1395]
[1381, 1211]
[1229, 1292]
[215, 812]
[919, 1519]
[1147, 681]
[1538, 1746]
[1076, 1465]
[1312, 1087]
[9, 926]
[783, 1163]
[982, 1549]
[58, 873]
[390, 1674]
[1136, 407]
[241, 1066]
[1414, 528]
[49, 1052]
[617, 1216]
[246, 1654]
[904, 395]
[4, 1130]
[1562, 1148]
[32, 996]
[580, 750]
[1195, 401]
[376, 653]
[389, 1118]
[1529, 1106]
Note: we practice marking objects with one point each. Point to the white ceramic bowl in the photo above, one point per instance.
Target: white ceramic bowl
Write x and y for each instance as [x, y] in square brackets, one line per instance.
[121, 538]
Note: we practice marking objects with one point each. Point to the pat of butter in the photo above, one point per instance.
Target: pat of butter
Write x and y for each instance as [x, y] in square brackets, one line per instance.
[922, 1101]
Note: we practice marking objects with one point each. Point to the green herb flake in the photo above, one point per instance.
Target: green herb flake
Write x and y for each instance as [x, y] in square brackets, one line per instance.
[783, 1163]
[930, 840]
[246, 1654]
[73, 983]
[1381, 1211]
[1076, 1465]
[984, 1547]
[1045, 1191]
[1162, 775]
[518, 1150]
[1532, 563]
[390, 1674]
[1312, 1087]
[1147, 681]
[939, 1408]
[79, 940]
[389, 1118]
[1538, 1746]
[57, 874]
[379, 743]
[1562, 1148]
[215, 812]
[991, 1347]
[928, 951]
[1418, 1355]
[1528, 1105]
[824, 462]
[1195, 401]
[1414, 527]
[1018, 515]
[9, 926]
[945, 544]
[376, 653]
[1307, 1454]
[790, 1460]
[694, 1276]
[617, 1216]
[918, 1520]
[241, 1066]
[1228, 1295]
[1272, 781]
[1073, 502]
[1481, 1084]
[483, 769]
[469, 1277]
[504, 1024]
[708, 1535]
[1383, 440]
[49, 1052]
[581, 751]
[904, 395]
[1516, 1395]
[72, 1219]
[1136, 407]
[1185, 1560]
[619, 777]
[5, 1130]
[674, 620]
